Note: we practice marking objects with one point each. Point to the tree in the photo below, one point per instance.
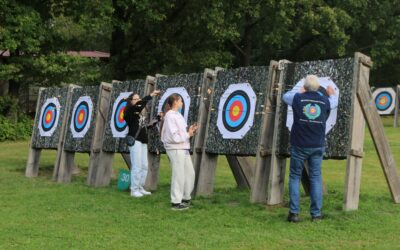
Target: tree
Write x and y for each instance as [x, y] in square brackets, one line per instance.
[38, 34]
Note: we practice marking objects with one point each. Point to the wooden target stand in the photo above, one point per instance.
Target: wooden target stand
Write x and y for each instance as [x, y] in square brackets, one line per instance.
[397, 105]
[269, 177]
[205, 164]
[100, 163]
[154, 158]
[270, 168]
[32, 165]
[63, 168]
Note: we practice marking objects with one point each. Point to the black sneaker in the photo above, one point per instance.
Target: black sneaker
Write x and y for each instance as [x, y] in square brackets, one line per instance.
[316, 218]
[178, 207]
[293, 218]
[187, 202]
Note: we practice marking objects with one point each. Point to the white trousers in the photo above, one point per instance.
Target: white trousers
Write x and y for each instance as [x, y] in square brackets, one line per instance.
[182, 180]
[138, 154]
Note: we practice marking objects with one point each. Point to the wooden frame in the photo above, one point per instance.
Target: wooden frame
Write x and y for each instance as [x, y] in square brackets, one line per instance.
[32, 165]
[363, 110]
[205, 163]
[100, 163]
[264, 155]
[202, 121]
[397, 106]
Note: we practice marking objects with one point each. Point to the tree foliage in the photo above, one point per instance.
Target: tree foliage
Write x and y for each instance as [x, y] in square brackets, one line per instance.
[179, 36]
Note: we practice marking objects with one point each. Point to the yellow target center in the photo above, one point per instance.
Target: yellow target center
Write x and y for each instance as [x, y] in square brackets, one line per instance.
[121, 115]
[80, 117]
[236, 111]
[383, 100]
[48, 116]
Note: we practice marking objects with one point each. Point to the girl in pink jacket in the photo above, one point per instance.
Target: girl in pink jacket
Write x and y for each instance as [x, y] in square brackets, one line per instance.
[176, 136]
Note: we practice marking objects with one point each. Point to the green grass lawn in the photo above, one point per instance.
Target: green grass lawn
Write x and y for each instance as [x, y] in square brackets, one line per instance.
[38, 213]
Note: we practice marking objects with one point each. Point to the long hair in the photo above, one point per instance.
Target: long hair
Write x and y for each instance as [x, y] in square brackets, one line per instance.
[170, 102]
[128, 102]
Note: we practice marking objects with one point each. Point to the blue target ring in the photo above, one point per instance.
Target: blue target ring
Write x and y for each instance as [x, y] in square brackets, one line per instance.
[81, 116]
[49, 117]
[119, 122]
[383, 101]
[236, 111]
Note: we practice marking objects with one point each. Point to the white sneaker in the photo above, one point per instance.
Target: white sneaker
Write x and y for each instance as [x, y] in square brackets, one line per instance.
[136, 194]
[144, 192]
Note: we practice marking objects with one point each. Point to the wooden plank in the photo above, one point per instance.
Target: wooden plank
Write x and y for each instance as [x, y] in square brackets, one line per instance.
[277, 169]
[204, 163]
[206, 176]
[32, 165]
[396, 110]
[100, 163]
[237, 171]
[65, 167]
[264, 151]
[153, 171]
[377, 132]
[127, 159]
[152, 178]
[354, 157]
[247, 166]
[64, 162]
[205, 97]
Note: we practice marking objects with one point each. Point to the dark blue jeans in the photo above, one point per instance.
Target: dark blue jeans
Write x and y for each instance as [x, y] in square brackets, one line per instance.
[314, 158]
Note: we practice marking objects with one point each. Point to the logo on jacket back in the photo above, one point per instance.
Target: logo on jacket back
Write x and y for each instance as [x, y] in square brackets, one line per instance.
[312, 111]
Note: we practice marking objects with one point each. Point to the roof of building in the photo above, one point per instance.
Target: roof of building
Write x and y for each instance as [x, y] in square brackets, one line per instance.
[94, 54]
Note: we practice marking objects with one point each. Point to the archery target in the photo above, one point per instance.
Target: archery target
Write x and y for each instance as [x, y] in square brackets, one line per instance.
[49, 116]
[384, 100]
[119, 128]
[324, 83]
[81, 116]
[236, 111]
[181, 91]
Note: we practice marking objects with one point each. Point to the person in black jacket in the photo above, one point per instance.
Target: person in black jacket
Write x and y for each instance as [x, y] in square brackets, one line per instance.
[136, 120]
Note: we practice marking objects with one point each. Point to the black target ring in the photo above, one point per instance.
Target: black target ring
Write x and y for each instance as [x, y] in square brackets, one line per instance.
[83, 107]
[246, 105]
[48, 124]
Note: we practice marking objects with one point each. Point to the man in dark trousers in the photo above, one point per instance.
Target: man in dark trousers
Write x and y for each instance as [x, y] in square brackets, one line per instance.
[307, 138]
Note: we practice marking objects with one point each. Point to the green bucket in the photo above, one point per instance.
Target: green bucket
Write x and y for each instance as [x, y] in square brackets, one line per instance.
[124, 179]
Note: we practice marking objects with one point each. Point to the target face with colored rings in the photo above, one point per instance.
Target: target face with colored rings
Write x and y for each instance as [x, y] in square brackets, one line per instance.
[312, 112]
[49, 116]
[236, 111]
[81, 116]
[384, 100]
[181, 91]
[119, 128]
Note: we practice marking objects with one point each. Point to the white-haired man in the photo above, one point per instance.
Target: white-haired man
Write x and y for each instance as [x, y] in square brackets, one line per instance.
[311, 109]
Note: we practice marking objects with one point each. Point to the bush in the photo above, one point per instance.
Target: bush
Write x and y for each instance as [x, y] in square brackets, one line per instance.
[9, 130]
[9, 106]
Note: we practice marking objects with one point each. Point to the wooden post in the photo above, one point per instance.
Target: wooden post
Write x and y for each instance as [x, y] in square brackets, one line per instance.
[127, 159]
[32, 165]
[205, 98]
[100, 163]
[205, 163]
[264, 151]
[153, 158]
[64, 163]
[376, 129]
[355, 154]
[242, 170]
[396, 110]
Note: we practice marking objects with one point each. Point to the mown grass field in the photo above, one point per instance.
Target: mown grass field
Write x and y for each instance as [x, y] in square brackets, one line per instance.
[40, 214]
